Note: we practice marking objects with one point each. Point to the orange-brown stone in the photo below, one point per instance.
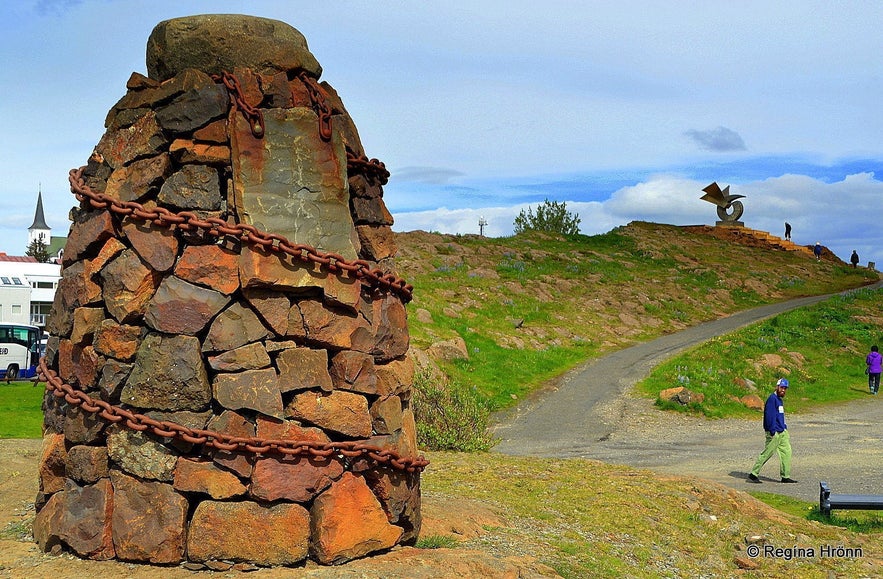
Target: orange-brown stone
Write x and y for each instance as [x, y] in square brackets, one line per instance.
[200, 476]
[211, 266]
[348, 522]
[341, 412]
[248, 531]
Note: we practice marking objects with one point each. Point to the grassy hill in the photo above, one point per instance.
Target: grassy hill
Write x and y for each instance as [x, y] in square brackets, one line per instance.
[530, 307]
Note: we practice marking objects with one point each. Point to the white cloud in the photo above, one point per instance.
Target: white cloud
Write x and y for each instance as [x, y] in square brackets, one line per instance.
[843, 215]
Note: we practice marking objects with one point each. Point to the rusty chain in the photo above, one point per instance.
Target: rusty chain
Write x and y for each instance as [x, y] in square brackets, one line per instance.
[320, 104]
[372, 168]
[253, 115]
[216, 227]
[221, 441]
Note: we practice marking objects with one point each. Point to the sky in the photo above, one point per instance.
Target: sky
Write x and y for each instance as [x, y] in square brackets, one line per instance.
[481, 109]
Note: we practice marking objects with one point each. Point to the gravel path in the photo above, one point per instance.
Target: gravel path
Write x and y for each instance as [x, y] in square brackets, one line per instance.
[589, 413]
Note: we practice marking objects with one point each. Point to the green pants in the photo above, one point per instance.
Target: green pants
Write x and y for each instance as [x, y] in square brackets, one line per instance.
[780, 443]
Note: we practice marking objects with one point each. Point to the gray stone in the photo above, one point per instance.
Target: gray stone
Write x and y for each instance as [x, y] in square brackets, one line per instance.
[140, 455]
[214, 43]
[234, 327]
[180, 307]
[193, 187]
[194, 108]
[253, 389]
[250, 357]
[168, 374]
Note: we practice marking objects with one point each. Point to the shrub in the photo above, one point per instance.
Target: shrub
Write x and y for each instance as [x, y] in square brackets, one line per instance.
[449, 416]
[551, 216]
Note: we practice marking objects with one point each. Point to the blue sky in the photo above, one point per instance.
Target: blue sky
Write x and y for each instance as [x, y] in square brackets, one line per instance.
[623, 110]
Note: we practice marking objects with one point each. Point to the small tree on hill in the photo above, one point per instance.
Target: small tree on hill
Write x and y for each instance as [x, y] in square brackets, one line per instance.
[551, 216]
[38, 250]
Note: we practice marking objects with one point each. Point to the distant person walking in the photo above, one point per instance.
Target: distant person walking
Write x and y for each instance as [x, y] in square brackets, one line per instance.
[787, 231]
[777, 437]
[853, 259]
[817, 251]
[875, 367]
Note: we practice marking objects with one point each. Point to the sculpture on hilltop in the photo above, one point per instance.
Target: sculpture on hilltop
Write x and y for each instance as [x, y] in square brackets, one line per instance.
[728, 209]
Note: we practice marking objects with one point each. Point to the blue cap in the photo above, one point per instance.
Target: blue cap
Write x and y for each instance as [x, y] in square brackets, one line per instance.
[783, 382]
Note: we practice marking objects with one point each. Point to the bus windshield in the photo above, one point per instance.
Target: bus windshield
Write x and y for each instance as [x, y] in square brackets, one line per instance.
[19, 351]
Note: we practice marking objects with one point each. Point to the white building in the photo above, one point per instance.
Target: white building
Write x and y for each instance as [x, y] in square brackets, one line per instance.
[27, 287]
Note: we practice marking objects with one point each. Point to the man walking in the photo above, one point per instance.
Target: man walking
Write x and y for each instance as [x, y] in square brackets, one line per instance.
[787, 231]
[777, 437]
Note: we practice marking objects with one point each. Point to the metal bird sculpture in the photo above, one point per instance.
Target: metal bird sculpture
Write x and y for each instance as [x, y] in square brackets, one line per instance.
[724, 201]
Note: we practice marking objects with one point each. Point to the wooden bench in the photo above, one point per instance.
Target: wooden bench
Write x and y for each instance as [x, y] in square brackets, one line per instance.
[829, 501]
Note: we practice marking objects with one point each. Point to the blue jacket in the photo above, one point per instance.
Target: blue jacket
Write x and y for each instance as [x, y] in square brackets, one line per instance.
[774, 414]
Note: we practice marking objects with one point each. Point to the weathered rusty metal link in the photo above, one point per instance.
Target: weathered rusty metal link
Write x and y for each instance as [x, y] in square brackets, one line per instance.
[221, 441]
[270, 242]
[253, 115]
[320, 104]
[372, 168]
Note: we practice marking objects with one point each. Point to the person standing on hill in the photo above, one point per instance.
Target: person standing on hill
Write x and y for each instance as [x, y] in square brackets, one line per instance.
[777, 437]
[817, 251]
[874, 361]
[787, 231]
[853, 259]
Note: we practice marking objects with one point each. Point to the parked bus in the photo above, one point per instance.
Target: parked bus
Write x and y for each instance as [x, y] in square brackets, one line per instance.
[19, 351]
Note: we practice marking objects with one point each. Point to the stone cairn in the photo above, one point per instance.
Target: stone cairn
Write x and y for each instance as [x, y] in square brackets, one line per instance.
[226, 373]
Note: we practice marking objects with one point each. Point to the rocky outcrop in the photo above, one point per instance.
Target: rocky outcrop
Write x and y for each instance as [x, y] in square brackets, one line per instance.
[227, 359]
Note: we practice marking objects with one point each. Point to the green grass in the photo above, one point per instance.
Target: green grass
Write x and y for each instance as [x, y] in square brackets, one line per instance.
[857, 521]
[821, 349]
[537, 314]
[437, 542]
[568, 514]
[20, 410]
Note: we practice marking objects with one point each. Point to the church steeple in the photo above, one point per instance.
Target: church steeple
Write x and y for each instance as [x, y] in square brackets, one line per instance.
[38, 228]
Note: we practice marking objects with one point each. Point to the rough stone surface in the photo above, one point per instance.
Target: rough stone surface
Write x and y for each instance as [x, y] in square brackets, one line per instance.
[139, 455]
[118, 341]
[345, 413]
[194, 311]
[234, 327]
[134, 182]
[179, 307]
[148, 520]
[128, 286]
[210, 266]
[193, 187]
[229, 530]
[233, 424]
[256, 390]
[251, 357]
[52, 464]
[200, 476]
[347, 522]
[168, 374]
[86, 464]
[87, 522]
[354, 371]
[217, 42]
[302, 369]
[295, 478]
[157, 246]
